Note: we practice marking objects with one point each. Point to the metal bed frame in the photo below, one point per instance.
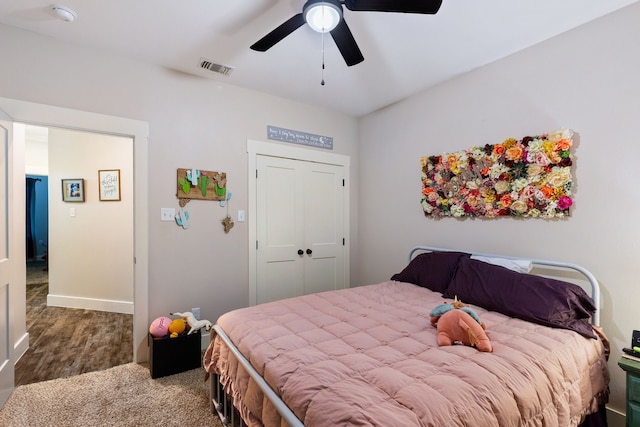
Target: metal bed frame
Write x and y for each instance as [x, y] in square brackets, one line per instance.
[593, 282]
[222, 404]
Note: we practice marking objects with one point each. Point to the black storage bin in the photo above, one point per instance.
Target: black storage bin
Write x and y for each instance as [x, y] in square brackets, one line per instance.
[170, 356]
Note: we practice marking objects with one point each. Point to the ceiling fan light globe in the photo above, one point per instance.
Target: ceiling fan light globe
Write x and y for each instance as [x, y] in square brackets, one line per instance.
[322, 16]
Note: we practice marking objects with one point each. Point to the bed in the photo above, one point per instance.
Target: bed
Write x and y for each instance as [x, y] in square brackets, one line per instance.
[368, 355]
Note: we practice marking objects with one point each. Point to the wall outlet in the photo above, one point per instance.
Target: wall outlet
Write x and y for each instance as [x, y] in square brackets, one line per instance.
[196, 312]
[167, 214]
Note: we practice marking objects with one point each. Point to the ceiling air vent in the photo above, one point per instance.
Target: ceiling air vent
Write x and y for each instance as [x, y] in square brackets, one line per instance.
[225, 70]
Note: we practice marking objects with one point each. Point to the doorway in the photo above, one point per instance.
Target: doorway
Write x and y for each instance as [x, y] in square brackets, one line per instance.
[46, 115]
[68, 308]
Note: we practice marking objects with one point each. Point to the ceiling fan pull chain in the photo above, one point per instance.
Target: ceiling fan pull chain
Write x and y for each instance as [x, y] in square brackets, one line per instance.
[322, 81]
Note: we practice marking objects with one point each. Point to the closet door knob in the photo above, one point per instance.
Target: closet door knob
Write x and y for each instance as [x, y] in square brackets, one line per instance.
[300, 252]
[309, 251]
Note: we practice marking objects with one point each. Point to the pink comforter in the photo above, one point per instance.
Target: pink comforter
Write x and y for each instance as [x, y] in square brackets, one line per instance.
[368, 356]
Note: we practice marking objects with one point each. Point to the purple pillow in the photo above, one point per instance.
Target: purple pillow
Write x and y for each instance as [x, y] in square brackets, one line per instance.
[432, 270]
[533, 298]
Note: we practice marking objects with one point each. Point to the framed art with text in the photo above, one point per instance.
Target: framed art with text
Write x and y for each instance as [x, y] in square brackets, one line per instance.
[109, 185]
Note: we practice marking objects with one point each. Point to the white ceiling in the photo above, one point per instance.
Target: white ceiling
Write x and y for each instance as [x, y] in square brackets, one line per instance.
[404, 53]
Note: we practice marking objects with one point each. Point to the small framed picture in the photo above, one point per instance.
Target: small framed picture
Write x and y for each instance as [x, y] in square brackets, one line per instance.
[73, 190]
[109, 183]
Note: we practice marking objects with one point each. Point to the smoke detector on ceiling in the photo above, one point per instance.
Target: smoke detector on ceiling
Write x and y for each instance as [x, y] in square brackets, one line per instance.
[64, 13]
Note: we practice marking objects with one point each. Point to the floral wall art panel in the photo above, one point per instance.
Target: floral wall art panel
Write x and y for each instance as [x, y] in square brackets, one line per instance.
[529, 178]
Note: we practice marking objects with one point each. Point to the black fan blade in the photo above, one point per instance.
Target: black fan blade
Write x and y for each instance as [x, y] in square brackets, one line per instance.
[347, 44]
[279, 33]
[406, 6]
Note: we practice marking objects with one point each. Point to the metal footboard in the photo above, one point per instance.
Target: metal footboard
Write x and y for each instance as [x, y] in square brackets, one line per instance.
[284, 411]
[222, 404]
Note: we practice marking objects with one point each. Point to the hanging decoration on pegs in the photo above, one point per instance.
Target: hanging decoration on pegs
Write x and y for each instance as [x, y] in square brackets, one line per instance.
[200, 184]
[193, 175]
[182, 218]
[227, 222]
[220, 185]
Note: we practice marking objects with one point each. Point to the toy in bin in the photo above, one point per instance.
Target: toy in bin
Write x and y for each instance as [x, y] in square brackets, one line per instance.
[176, 327]
[164, 327]
[171, 349]
[194, 324]
[160, 327]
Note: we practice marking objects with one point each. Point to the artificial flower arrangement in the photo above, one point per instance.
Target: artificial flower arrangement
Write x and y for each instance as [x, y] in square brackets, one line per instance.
[526, 178]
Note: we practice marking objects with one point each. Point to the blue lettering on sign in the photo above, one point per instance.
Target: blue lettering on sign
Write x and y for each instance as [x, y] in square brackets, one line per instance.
[297, 137]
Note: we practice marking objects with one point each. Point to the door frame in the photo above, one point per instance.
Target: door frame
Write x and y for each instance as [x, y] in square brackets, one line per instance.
[47, 115]
[261, 148]
[12, 246]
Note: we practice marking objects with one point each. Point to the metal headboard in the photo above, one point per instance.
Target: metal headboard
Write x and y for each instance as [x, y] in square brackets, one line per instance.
[595, 287]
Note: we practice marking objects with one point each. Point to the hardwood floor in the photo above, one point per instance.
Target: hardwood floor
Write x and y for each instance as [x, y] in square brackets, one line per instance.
[65, 341]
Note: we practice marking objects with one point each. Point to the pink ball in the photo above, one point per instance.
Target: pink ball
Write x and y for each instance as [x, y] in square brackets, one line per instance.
[160, 327]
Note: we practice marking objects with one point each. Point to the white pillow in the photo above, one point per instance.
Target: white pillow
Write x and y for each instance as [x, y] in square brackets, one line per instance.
[519, 265]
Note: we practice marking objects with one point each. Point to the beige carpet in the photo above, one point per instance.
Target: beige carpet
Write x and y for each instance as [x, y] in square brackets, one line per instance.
[121, 396]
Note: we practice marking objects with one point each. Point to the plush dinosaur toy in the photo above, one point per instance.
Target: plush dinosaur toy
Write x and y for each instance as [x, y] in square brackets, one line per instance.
[459, 323]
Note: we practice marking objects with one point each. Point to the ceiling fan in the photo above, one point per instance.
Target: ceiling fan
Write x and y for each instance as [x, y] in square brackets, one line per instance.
[326, 16]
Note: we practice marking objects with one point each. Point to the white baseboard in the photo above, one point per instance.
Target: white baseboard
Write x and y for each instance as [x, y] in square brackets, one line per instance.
[615, 418]
[21, 346]
[204, 339]
[111, 306]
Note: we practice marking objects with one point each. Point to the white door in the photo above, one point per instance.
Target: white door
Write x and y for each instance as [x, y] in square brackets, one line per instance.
[299, 227]
[323, 228]
[6, 259]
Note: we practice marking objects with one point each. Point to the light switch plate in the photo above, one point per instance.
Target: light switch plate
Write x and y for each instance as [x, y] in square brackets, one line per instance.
[167, 214]
[241, 216]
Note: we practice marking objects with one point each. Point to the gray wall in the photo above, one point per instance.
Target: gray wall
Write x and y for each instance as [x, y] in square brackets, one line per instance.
[585, 80]
[193, 122]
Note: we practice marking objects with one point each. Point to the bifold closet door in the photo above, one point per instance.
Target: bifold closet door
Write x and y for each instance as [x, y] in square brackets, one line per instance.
[300, 228]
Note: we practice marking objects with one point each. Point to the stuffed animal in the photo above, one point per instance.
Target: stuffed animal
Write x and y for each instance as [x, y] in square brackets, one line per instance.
[176, 327]
[458, 323]
[160, 327]
[194, 324]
